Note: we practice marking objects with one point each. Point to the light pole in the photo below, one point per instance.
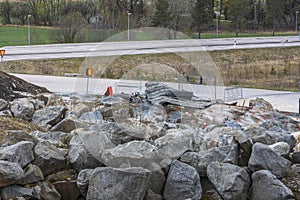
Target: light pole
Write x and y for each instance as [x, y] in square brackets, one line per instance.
[217, 24]
[296, 27]
[129, 13]
[28, 18]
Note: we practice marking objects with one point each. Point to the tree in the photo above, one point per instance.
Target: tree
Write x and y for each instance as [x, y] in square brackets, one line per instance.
[274, 12]
[5, 11]
[162, 15]
[202, 14]
[20, 11]
[237, 12]
[69, 28]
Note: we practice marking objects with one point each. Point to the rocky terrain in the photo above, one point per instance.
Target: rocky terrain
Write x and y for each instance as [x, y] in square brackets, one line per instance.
[161, 144]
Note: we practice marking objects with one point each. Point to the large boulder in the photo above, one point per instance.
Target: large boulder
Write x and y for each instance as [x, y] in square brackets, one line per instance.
[49, 116]
[175, 143]
[16, 136]
[21, 153]
[82, 181]
[49, 155]
[22, 108]
[86, 148]
[15, 192]
[33, 174]
[183, 182]
[134, 154]
[265, 186]
[59, 139]
[200, 160]
[281, 148]
[10, 173]
[111, 183]
[67, 125]
[263, 157]
[231, 181]
[157, 180]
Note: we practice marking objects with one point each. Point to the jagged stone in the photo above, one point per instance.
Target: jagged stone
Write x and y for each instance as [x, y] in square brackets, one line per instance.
[83, 181]
[16, 136]
[21, 153]
[265, 186]
[3, 104]
[67, 125]
[157, 181]
[33, 174]
[281, 148]
[22, 108]
[15, 191]
[49, 155]
[263, 157]
[131, 154]
[200, 160]
[110, 183]
[65, 175]
[153, 196]
[10, 173]
[59, 139]
[46, 190]
[183, 182]
[49, 116]
[86, 148]
[231, 181]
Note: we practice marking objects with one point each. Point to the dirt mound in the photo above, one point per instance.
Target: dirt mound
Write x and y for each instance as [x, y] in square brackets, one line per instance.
[12, 87]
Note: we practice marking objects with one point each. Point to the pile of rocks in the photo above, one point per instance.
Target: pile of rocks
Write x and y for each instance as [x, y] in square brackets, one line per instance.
[110, 148]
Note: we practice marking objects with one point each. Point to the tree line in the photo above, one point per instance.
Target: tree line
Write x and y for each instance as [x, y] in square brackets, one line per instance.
[188, 16]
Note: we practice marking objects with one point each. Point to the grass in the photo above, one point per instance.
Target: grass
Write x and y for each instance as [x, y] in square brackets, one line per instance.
[270, 68]
[18, 35]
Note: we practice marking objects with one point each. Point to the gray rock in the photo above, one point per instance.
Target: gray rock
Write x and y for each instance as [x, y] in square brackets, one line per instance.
[67, 189]
[110, 183]
[86, 148]
[265, 186]
[106, 112]
[231, 181]
[46, 190]
[49, 116]
[33, 174]
[67, 125]
[200, 160]
[263, 157]
[183, 182]
[157, 181]
[65, 175]
[79, 109]
[296, 157]
[55, 100]
[131, 154]
[3, 105]
[91, 117]
[15, 191]
[212, 195]
[10, 173]
[270, 137]
[83, 181]
[17, 136]
[153, 196]
[49, 155]
[219, 136]
[175, 143]
[22, 108]
[281, 148]
[20, 153]
[59, 139]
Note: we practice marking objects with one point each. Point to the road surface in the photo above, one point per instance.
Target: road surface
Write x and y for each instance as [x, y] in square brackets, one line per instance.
[283, 101]
[142, 47]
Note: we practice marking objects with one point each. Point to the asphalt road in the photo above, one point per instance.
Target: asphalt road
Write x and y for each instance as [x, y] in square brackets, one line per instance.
[142, 47]
[283, 101]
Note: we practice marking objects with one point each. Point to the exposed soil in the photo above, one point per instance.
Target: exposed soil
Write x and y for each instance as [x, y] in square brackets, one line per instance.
[12, 87]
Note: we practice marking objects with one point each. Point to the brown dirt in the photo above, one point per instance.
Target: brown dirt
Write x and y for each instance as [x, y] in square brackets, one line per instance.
[12, 87]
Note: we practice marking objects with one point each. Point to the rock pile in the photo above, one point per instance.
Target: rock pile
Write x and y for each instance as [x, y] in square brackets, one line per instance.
[110, 148]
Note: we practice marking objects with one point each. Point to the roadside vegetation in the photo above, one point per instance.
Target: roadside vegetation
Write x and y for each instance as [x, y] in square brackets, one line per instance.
[66, 21]
[270, 68]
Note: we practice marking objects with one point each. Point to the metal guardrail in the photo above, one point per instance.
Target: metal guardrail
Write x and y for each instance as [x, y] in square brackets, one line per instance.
[233, 93]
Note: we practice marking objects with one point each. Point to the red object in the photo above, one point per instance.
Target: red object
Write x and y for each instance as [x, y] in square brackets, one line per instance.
[109, 91]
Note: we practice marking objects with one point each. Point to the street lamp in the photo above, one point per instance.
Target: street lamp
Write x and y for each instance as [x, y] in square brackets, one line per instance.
[296, 28]
[129, 13]
[28, 18]
[217, 24]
